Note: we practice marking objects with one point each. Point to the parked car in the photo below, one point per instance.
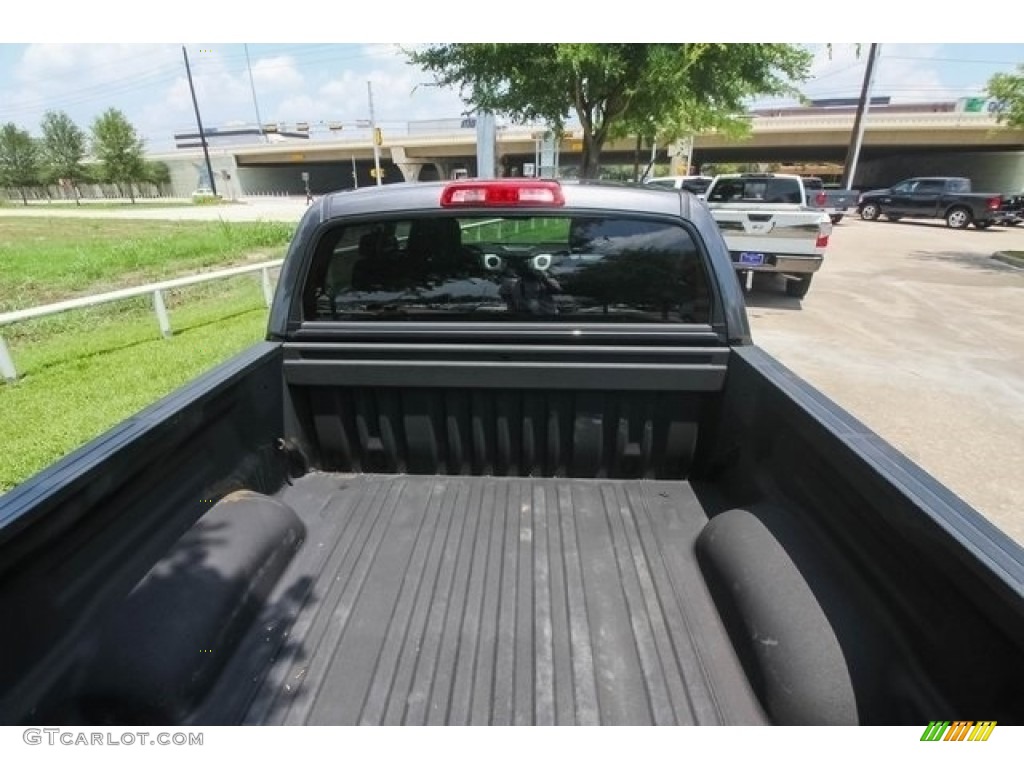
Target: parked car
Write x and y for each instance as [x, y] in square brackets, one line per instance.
[768, 226]
[696, 184]
[936, 197]
[835, 202]
[1013, 210]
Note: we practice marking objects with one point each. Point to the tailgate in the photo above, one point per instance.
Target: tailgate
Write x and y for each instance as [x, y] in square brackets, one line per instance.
[772, 232]
[841, 198]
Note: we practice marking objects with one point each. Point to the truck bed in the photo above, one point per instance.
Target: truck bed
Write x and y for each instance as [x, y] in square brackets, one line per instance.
[482, 600]
[672, 547]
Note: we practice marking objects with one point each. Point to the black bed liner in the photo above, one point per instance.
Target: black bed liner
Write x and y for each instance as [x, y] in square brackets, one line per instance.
[476, 600]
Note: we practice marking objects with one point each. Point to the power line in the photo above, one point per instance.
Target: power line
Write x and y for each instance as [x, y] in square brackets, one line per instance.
[84, 94]
[954, 61]
[119, 62]
[144, 79]
[836, 72]
[895, 91]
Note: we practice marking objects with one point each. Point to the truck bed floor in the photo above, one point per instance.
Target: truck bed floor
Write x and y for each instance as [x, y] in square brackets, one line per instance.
[478, 600]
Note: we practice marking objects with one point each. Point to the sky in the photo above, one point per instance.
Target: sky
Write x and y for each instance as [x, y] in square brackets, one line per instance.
[322, 81]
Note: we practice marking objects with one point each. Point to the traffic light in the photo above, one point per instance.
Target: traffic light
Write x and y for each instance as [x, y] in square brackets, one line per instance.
[378, 137]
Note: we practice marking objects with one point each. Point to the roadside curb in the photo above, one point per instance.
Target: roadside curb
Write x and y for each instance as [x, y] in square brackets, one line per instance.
[1017, 262]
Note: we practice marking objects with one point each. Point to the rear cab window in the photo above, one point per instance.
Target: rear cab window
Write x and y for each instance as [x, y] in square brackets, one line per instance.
[756, 190]
[473, 267]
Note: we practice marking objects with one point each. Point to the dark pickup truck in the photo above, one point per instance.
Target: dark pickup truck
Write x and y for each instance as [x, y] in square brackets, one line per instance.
[941, 197]
[508, 456]
[835, 202]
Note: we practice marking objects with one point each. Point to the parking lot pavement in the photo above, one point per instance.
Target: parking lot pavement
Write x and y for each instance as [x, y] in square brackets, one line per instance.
[916, 331]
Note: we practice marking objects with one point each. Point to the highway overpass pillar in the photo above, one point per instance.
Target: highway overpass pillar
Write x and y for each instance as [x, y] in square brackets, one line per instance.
[410, 168]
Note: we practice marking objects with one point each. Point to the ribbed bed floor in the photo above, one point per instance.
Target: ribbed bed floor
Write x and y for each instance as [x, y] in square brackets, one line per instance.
[472, 600]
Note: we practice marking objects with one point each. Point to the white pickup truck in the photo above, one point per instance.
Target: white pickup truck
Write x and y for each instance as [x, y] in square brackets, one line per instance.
[768, 226]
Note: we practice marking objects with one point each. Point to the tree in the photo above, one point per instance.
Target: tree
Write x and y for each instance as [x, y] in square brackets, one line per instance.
[157, 173]
[1008, 88]
[119, 149]
[19, 159]
[615, 90]
[63, 150]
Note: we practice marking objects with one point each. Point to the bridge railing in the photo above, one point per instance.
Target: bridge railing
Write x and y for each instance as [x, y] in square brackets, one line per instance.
[909, 121]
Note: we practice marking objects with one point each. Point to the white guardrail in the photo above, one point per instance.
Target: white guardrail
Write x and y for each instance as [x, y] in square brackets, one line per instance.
[7, 369]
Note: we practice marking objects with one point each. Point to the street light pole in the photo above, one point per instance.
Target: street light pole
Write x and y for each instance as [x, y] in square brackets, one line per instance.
[252, 85]
[373, 130]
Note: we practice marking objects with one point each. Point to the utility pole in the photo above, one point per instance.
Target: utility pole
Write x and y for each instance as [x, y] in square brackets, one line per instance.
[373, 129]
[252, 85]
[636, 158]
[853, 154]
[486, 140]
[199, 122]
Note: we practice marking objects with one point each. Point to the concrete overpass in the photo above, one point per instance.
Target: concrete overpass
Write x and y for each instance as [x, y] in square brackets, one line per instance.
[895, 146]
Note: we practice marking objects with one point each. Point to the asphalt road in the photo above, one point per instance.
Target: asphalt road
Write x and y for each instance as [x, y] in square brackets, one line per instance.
[919, 333]
[912, 327]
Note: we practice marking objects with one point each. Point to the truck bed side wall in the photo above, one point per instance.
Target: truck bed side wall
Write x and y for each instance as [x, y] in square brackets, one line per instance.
[78, 536]
[913, 558]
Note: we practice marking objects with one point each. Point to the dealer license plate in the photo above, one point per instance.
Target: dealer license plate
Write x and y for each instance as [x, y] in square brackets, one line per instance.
[748, 257]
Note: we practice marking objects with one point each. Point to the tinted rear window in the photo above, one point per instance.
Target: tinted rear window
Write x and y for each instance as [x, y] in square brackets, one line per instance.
[756, 190]
[697, 186]
[509, 268]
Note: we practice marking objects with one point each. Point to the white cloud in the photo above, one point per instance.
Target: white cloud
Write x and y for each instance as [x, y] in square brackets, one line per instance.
[277, 73]
[400, 90]
[905, 73]
[63, 67]
[82, 80]
[910, 79]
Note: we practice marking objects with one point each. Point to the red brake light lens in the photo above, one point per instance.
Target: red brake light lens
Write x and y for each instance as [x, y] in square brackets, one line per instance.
[822, 241]
[504, 192]
[994, 203]
[820, 199]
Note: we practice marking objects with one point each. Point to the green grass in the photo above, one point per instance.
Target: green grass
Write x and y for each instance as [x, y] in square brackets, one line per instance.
[99, 370]
[529, 230]
[209, 200]
[1013, 258]
[44, 260]
[82, 372]
[104, 205]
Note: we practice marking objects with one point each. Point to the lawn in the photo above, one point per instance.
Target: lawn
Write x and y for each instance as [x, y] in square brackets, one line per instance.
[44, 260]
[530, 229]
[147, 202]
[84, 371]
[1013, 258]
